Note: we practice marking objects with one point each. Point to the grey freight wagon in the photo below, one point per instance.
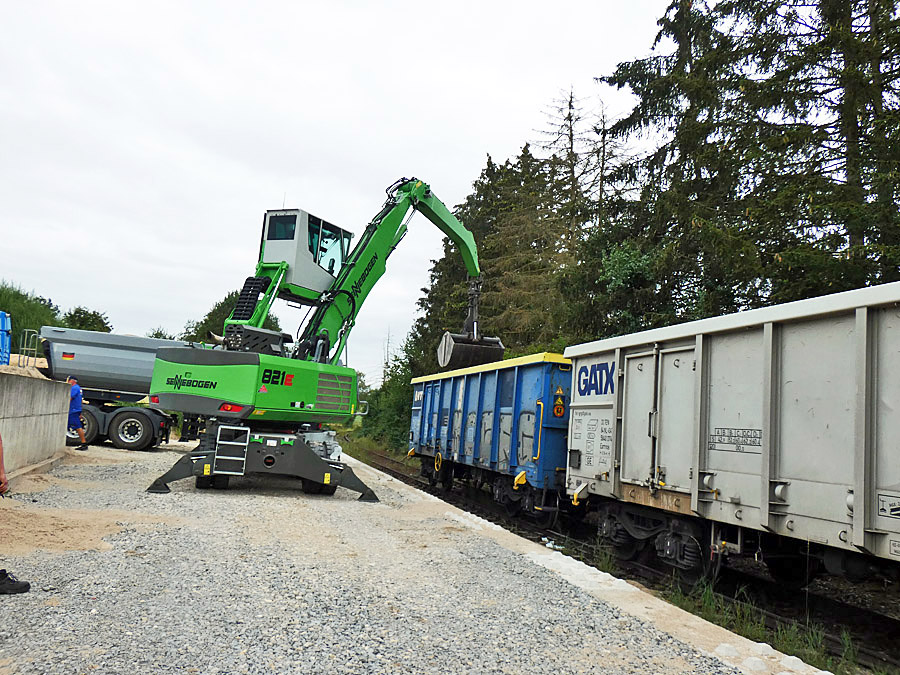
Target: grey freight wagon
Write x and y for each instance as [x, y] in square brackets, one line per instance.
[110, 369]
[773, 432]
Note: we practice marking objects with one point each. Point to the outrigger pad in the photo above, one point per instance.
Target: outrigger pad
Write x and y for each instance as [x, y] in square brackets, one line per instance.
[351, 481]
[306, 464]
[183, 468]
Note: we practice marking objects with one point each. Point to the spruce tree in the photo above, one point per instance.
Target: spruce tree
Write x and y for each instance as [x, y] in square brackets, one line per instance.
[819, 95]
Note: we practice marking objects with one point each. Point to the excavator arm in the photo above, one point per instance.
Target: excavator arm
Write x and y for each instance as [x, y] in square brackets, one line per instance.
[326, 333]
[338, 301]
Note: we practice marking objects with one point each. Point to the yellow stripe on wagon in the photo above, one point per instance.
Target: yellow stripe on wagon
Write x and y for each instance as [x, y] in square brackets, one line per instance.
[544, 357]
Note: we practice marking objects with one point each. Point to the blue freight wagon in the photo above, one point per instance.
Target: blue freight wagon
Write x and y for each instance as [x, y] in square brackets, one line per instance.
[501, 424]
[5, 338]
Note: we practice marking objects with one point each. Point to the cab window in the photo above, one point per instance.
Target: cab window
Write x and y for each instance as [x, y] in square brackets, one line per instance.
[281, 227]
[315, 229]
[330, 249]
[328, 244]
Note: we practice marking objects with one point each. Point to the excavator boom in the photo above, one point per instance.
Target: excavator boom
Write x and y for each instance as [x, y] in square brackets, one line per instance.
[335, 316]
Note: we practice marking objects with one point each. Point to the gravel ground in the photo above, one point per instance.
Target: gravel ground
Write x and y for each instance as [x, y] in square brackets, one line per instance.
[262, 578]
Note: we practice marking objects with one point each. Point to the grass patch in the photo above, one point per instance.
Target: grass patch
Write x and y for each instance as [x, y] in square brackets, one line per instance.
[604, 560]
[362, 447]
[742, 617]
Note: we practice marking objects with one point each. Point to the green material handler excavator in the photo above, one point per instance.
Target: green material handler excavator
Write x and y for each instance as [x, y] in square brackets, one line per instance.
[266, 397]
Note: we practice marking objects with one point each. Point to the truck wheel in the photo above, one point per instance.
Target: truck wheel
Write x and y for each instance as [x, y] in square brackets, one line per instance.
[91, 429]
[131, 431]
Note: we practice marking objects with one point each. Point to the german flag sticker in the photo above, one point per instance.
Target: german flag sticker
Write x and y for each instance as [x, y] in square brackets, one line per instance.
[68, 356]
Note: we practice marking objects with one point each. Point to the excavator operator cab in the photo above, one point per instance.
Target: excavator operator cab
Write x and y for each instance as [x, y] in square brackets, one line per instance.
[315, 250]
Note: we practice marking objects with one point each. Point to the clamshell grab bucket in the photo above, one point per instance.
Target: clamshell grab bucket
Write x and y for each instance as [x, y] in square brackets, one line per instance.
[458, 350]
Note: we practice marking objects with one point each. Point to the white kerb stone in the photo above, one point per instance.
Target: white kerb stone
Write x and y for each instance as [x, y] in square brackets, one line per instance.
[763, 649]
[754, 663]
[727, 651]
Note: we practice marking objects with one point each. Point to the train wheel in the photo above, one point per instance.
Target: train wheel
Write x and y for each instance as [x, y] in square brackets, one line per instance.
[627, 549]
[706, 571]
[546, 519]
[687, 580]
[427, 472]
[446, 479]
[443, 472]
[512, 507]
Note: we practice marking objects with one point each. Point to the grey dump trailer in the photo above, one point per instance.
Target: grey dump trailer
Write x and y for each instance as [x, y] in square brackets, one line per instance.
[111, 370]
[773, 432]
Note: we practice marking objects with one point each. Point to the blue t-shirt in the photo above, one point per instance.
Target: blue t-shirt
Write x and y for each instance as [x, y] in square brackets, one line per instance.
[75, 399]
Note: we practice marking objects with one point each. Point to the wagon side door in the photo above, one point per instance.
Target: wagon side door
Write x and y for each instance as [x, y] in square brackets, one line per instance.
[639, 418]
[675, 418]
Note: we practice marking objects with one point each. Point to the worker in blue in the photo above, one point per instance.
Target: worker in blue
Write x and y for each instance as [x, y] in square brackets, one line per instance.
[75, 412]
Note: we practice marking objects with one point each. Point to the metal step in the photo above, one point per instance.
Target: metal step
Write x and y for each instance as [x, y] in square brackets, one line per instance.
[231, 450]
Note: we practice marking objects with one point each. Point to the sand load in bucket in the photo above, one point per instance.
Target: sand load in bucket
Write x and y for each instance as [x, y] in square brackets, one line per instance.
[470, 348]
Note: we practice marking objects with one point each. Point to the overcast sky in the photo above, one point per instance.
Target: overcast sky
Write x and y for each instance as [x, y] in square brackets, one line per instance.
[141, 143]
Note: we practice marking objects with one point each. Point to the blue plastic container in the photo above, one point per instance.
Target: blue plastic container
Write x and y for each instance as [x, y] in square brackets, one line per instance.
[5, 338]
[507, 419]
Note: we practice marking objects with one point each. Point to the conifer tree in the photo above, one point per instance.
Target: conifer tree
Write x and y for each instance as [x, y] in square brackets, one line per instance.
[523, 254]
[684, 226]
[820, 100]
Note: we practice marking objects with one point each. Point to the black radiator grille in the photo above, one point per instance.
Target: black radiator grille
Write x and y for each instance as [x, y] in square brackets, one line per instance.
[334, 392]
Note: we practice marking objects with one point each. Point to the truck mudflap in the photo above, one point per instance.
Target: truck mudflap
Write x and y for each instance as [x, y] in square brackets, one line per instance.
[301, 461]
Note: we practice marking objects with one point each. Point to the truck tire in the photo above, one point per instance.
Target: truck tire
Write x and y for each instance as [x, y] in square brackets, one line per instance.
[131, 431]
[91, 429]
[91, 426]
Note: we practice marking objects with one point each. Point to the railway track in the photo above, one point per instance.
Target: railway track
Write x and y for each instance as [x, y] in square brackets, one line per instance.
[872, 637]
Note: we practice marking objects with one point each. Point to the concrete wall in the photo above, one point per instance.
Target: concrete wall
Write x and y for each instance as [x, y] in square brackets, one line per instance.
[33, 415]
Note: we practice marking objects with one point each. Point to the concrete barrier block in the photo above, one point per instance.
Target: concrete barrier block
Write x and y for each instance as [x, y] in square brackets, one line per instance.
[33, 414]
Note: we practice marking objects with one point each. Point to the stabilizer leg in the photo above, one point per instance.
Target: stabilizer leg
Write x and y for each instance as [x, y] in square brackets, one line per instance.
[351, 481]
[312, 467]
[183, 468]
